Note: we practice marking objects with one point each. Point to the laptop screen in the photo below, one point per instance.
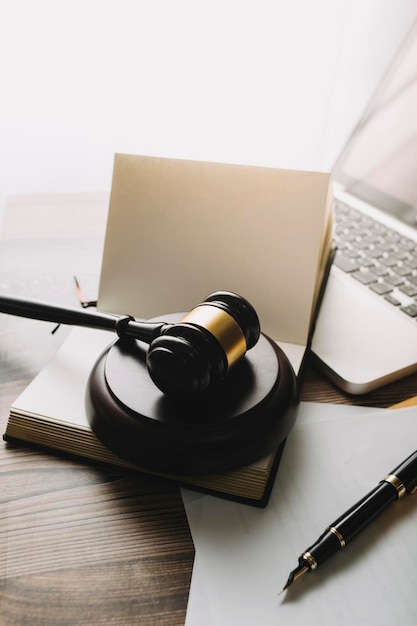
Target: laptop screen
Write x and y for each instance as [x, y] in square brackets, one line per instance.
[379, 162]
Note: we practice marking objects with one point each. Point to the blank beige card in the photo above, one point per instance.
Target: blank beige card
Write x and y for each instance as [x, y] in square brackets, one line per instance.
[178, 230]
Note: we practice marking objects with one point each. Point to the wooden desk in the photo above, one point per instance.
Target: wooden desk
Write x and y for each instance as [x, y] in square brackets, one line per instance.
[80, 544]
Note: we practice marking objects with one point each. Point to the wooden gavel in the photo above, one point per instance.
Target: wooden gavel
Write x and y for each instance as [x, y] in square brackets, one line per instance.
[184, 359]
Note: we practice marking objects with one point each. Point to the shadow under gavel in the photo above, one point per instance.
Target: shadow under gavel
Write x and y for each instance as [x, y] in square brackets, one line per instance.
[185, 359]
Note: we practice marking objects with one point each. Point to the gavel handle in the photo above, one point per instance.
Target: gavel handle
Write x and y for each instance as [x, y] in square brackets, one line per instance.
[122, 325]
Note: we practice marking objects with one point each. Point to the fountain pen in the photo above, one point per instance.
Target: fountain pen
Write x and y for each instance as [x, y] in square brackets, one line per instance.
[402, 480]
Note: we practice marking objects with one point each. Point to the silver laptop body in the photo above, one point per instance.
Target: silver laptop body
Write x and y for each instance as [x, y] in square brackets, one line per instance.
[366, 332]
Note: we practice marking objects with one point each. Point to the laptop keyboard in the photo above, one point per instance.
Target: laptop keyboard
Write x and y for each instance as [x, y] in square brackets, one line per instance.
[378, 257]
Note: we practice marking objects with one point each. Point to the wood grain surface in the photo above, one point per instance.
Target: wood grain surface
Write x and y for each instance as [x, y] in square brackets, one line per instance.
[83, 544]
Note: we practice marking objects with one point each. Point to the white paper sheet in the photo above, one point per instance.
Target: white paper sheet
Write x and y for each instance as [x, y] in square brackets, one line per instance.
[244, 555]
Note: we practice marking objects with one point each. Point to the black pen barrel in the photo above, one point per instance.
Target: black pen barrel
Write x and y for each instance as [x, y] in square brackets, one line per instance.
[402, 480]
[407, 472]
[352, 522]
[365, 511]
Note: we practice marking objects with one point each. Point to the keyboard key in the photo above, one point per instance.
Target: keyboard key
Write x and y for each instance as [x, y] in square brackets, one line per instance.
[349, 253]
[412, 261]
[391, 235]
[389, 298]
[412, 278]
[362, 244]
[345, 264]
[388, 260]
[375, 252]
[363, 261]
[380, 288]
[366, 278]
[402, 270]
[407, 244]
[394, 280]
[409, 290]
[411, 310]
[380, 270]
[400, 255]
[384, 246]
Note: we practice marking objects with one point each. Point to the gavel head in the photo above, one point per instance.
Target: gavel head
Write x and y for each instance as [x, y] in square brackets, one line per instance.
[192, 356]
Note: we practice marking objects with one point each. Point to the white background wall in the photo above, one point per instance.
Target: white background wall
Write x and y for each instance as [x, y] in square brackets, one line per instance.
[254, 81]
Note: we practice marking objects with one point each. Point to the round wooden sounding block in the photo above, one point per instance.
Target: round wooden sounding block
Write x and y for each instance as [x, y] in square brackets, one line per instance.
[247, 416]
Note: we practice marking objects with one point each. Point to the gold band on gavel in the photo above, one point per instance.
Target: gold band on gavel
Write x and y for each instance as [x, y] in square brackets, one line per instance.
[224, 328]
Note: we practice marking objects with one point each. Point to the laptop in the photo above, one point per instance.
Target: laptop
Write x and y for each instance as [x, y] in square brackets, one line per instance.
[366, 331]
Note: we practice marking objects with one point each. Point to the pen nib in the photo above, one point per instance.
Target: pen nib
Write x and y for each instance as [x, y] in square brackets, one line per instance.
[295, 575]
